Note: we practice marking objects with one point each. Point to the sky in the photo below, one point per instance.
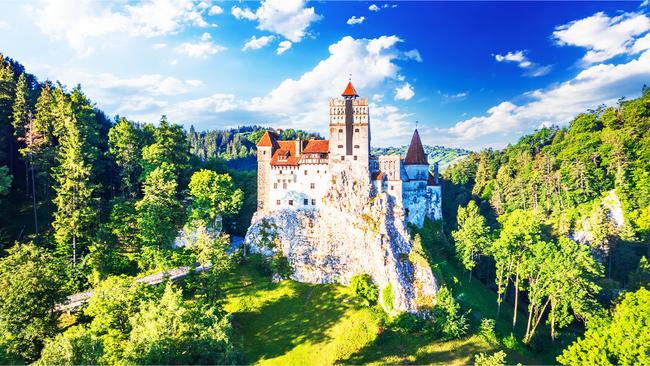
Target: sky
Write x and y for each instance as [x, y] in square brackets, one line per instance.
[472, 74]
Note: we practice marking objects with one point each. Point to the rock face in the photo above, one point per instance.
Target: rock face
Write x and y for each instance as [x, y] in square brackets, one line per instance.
[353, 233]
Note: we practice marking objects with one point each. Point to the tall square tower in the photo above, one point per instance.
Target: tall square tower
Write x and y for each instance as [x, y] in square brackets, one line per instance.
[349, 128]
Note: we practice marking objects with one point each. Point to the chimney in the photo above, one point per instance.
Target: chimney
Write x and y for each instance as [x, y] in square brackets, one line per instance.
[298, 147]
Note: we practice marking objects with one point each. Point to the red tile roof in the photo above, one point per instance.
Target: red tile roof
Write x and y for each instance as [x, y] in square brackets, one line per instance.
[349, 91]
[415, 154]
[268, 139]
[317, 147]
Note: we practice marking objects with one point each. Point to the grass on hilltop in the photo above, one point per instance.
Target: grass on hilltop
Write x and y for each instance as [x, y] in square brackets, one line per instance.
[293, 323]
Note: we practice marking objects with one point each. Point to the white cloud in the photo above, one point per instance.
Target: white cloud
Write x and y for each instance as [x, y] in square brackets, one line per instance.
[405, 92]
[201, 49]
[448, 98]
[240, 13]
[215, 10]
[413, 54]
[79, 23]
[519, 57]
[594, 86]
[641, 44]
[158, 46]
[289, 18]
[377, 97]
[257, 43]
[354, 20]
[3, 24]
[603, 37]
[283, 47]
[373, 7]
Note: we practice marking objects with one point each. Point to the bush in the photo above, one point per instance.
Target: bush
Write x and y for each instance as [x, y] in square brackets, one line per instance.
[363, 287]
[510, 342]
[407, 323]
[448, 319]
[496, 359]
[387, 297]
[280, 265]
[486, 330]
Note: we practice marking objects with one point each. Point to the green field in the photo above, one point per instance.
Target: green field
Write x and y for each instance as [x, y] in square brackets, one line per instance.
[293, 323]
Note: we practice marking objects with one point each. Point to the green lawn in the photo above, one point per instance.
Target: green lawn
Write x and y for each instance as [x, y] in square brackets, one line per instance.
[293, 323]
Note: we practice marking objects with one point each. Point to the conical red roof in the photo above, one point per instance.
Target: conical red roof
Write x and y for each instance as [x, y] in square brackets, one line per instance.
[349, 91]
[268, 139]
[415, 154]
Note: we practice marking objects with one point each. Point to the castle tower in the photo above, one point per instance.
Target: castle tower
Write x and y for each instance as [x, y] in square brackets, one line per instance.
[349, 128]
[416, 163]
[265, 149]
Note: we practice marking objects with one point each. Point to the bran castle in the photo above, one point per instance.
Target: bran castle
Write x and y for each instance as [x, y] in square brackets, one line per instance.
[297, 174]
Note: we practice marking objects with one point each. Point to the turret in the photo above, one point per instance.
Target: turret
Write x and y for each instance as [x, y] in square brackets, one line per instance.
[416, 162]
[265, 149]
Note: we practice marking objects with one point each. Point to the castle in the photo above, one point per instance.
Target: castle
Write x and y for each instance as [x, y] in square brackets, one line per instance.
[297, 174]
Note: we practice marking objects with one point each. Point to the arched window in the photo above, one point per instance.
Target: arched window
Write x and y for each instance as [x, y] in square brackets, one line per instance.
[340, 134]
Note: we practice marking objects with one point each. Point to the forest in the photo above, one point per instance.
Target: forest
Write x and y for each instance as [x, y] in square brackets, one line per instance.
[555, 229]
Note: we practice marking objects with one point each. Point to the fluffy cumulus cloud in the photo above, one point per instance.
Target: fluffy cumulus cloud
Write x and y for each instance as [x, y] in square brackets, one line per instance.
[80, 23]
[404, 92]
[558, 104]
[519, 57]
[354, 20]
[200, 49]
[256, 43]
[373, 7]
[413, 55]
[288, 18]
[283, 47]
[602, 36]
[302, 102]
[215, 10]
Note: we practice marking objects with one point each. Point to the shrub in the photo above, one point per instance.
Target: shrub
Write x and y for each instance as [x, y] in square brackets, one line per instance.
[496, 359]
[387, 297]
[363, 287]
[510, 342]
[280, 265]
[486, 330]
[450, 322]
[407, 323]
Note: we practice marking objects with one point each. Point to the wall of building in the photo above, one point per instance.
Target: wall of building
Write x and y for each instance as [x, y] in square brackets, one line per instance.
[290, 186]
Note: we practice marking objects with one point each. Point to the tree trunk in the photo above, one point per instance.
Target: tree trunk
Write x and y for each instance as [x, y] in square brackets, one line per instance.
[34, 199]
[530, 316]
[514, 314]
[74, 250]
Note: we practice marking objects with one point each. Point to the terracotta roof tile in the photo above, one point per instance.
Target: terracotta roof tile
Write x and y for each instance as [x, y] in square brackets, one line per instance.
[415, 154]
[349, 91]
[286, 150]
[268, 139]
[317, 147]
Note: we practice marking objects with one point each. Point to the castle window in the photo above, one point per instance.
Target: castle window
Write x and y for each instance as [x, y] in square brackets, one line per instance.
[275, 186]
[263, 152]
[284, 185]
[313, 202]
[356, 146]
[342, 157]
[340, 146]
[312, 185]
[356, 130]
[290, 202]
[355, 157]
[392, 188]
[305, 202]
[277, 202]
[305, 172]
[340, 134]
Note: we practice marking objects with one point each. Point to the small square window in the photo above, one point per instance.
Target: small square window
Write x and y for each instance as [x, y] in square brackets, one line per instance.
[313, 202]
[312, 185]
[355, 157]
[342, 157]
[305, 172]
[340, 146]
[305, 202]
[356, 146]
[392, 188]
[290, 202]
[277, 202]
[284, 185]
[275, 185]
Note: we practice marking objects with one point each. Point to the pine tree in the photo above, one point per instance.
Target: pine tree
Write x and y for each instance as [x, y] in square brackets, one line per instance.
[7, 90]
[33, 143]
[75, 209]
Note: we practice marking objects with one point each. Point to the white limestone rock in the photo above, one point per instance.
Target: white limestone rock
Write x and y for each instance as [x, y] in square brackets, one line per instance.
[351, 234]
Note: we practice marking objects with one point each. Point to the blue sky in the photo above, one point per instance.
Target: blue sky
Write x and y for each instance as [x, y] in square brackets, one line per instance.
[474, 74]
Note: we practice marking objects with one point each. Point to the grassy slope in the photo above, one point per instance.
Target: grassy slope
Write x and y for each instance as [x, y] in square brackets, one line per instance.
[292, 323]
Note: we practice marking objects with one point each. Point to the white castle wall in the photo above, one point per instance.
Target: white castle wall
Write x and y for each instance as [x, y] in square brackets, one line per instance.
[292, 185]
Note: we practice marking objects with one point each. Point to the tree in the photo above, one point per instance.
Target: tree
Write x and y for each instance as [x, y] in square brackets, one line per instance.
[76, 346]
[170, 331]
[472, 237]
[496, 359]
[5, 180]
[74, 202]
[21, 106]
[7, 91]
[125, 145]
[521, 229]
[30, 287]
[641, 276]
[213, 195]
[158, 212]
[33, 143]
[170, 146]
[622, 339]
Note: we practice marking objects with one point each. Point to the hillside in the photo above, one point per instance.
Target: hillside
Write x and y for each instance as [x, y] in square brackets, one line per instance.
[444, 156]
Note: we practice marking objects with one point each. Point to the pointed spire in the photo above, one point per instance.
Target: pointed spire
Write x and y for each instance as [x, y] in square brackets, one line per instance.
[415, 154]
[349, 91]
[268, 139]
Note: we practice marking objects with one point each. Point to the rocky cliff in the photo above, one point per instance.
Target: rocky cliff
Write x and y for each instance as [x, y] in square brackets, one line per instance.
[352, 233]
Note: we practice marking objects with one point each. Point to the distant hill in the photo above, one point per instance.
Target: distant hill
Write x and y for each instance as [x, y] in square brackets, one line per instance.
[444, 156]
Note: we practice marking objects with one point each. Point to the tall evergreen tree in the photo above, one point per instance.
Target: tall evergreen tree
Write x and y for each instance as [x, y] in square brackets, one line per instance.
[7, 91]
[74, 190]
[472, 237]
